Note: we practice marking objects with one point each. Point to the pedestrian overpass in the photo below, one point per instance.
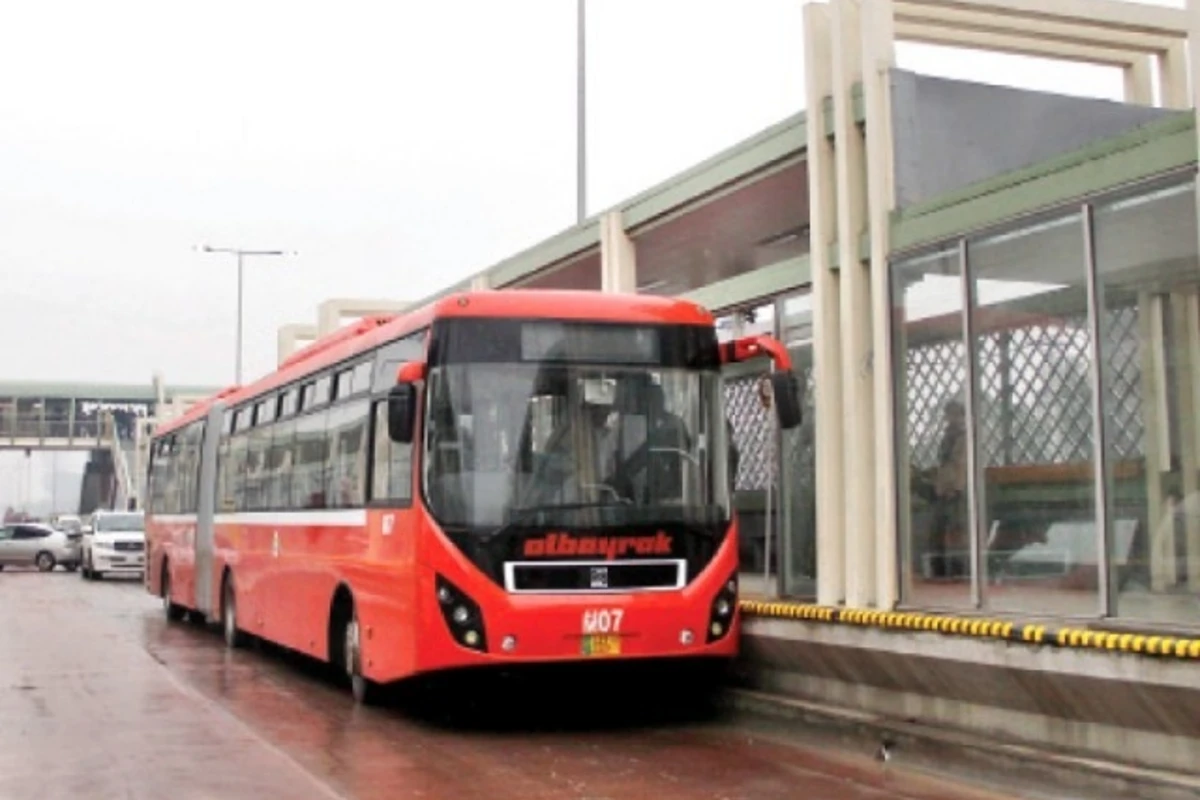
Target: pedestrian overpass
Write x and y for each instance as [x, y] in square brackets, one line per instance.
[110, 421]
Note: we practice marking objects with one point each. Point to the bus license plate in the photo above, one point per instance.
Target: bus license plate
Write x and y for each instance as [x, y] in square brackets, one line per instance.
[601, 645]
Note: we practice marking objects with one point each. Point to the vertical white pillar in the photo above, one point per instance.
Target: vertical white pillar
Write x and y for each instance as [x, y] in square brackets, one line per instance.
[480, 282]
[160, 394]
[1155, 442]
[1173, 69]
[1185, 318]
[1174, 89]
[857, 385]
[1139, 82]
[290, 338]
[618, 257]
[878, 34]
[284, 344]
[329, 317]
[827, 350]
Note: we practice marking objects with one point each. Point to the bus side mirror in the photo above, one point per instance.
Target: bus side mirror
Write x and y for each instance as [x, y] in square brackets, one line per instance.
[785, 386]
[402, 412]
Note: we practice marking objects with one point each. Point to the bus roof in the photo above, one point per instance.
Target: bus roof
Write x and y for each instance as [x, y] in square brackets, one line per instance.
[370, 332]
[195, 411]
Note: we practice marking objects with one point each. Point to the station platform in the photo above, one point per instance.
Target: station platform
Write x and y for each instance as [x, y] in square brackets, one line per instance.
[1110, 695]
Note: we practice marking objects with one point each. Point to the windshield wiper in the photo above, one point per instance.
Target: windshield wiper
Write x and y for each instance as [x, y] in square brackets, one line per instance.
[522, 515]
[700, 530]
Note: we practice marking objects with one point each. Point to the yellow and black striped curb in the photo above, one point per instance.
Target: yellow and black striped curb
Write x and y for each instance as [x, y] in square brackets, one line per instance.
[1077, 638]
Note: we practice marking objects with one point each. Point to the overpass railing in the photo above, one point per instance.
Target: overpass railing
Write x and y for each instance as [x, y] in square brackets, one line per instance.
[43, 429]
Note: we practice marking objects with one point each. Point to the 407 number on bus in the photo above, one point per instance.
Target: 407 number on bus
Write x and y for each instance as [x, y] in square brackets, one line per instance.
[601, 632]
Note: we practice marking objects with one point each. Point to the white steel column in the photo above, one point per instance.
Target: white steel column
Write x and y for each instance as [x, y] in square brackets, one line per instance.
[1155, 438]
[331, 312]
[480, 282]
[879, 56]
[288, 339]
[827, 350]
[1139, 81]
[618, 257]
[857, 384]
[1185, 318]
[1173, 74]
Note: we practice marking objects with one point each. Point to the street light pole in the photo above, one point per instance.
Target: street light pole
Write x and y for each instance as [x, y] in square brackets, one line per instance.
[581, 116]
[241, 283]
[241, 273]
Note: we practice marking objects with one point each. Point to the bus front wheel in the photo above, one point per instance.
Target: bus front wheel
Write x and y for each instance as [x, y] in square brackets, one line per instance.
[348, 651]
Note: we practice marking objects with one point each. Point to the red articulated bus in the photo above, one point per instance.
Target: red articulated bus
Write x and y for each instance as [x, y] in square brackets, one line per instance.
[496, 478]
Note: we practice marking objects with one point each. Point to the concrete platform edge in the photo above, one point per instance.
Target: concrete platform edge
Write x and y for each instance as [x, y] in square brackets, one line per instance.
[1100, 640]
[926, 746]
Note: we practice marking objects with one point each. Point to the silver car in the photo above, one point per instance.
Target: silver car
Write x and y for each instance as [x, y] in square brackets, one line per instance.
[34, 544]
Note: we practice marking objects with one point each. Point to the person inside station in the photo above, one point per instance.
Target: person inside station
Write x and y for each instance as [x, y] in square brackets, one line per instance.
[944, 488]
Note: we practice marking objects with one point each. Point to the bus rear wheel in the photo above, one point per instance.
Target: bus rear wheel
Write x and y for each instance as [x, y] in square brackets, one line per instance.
[234, 637]
[174, 612]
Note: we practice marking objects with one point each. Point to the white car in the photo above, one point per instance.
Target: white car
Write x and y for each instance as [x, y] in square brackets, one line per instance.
[116, 545]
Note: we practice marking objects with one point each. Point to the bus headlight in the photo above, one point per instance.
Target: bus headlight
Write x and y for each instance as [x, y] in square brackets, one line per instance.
[723, 610]
[462, 615]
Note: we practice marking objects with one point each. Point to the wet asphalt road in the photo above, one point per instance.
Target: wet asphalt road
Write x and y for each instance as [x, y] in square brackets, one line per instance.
[101, 698]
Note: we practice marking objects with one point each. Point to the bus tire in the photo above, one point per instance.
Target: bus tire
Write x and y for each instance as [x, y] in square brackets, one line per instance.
[345, 639]
[234, 637]
[173, 611]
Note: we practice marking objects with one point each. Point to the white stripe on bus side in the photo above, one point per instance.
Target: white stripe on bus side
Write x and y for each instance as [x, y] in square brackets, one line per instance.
[172, 519]
[345, 517]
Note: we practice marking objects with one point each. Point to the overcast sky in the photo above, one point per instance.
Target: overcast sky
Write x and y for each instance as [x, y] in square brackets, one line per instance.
[398, 146]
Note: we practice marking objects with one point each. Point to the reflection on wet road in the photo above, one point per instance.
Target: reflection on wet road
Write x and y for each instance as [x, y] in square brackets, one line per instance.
[101, 698]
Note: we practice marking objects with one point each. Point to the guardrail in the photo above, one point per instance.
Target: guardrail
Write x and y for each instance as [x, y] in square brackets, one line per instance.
[1175, 647]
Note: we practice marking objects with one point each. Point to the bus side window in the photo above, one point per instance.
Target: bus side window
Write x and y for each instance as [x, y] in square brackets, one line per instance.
[347, 443]
[391, 469]
[309, 461]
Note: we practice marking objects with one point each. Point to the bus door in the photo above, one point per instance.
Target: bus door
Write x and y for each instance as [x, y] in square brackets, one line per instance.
[205, 508]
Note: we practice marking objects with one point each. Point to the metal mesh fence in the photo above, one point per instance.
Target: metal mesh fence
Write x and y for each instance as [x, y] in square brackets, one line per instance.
[750, 432]
[1034, 403]
[751, 428]
[1034, 399]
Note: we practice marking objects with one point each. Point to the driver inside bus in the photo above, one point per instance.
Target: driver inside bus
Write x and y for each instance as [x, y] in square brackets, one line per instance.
[579, 449]
[656, 465]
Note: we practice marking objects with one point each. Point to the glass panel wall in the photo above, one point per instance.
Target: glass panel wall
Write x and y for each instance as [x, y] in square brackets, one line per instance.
[931, 470]
[755, 482]
[1149, 279]
[773, 478]
[798, 465]
[1033, 418]
[8, 418]
[1054, 520]
[58, 417]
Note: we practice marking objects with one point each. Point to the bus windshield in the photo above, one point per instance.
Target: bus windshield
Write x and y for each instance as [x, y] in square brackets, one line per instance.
[645, 442]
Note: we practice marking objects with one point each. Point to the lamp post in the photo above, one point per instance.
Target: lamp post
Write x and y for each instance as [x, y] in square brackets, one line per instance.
[241, 255]
[581, 113]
